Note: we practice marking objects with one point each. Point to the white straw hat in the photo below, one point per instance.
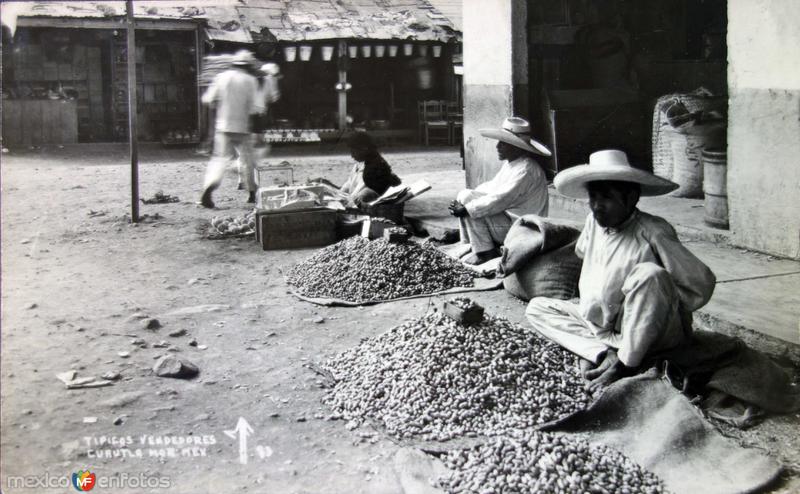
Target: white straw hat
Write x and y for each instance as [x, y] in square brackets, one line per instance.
[270, 69]
[517, 132]
[243, 57]
[609, 164]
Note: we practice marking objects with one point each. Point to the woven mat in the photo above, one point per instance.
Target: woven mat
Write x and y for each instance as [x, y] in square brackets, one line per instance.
[481, 284]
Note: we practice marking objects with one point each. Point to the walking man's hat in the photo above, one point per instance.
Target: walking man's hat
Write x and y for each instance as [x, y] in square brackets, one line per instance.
[243, 57]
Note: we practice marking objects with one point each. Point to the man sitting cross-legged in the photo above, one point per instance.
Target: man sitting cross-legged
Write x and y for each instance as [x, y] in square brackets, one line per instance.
[638, 284]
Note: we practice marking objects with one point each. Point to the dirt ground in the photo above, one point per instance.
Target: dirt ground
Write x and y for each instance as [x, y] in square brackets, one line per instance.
[75, 273]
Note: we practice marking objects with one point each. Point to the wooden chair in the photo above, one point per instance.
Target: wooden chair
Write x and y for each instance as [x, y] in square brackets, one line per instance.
[455, 120]
[433, 123]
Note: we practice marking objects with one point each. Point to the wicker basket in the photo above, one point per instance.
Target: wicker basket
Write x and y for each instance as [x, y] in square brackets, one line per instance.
[662, 144]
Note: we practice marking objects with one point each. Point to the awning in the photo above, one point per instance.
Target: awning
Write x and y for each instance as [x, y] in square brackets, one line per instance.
[243, 21]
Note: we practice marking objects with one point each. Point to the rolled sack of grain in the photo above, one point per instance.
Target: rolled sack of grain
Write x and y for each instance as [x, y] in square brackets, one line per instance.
[553, 274]
[539, 259]
[687, 146]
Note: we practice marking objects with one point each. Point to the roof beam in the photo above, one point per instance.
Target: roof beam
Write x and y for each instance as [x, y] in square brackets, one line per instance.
[106, 23]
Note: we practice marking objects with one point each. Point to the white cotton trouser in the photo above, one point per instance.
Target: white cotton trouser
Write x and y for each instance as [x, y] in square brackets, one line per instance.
[483, 234]
[224, 145]
[650, 319]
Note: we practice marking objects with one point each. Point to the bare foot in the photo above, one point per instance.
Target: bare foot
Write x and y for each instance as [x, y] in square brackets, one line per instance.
[585, 366]
[612, 373]
[607, 362]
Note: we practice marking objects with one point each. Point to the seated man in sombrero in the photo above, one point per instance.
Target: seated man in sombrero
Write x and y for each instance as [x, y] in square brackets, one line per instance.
[520, 187]
[638, 284]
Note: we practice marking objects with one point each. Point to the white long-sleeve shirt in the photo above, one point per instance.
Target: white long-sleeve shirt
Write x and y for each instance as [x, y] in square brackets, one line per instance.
[236, 96]
[355, 181]
[520, 187]
[610, 254]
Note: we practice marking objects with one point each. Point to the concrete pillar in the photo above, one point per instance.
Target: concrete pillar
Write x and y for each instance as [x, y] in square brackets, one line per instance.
[764, 125]
[495, 77]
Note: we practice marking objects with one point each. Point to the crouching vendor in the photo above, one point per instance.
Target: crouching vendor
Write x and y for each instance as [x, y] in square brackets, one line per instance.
[370, 177]
[638, 284]
[520, 187]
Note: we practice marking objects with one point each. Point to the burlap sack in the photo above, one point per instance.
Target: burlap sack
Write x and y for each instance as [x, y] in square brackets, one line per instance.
[553, 274]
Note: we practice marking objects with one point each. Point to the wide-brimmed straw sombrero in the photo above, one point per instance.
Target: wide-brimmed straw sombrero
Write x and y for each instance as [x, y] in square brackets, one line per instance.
[609, 164]
[517, 132]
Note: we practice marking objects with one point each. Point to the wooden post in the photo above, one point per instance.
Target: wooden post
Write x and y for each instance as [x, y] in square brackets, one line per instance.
[198, 52]
[133, 138]
[343, 91]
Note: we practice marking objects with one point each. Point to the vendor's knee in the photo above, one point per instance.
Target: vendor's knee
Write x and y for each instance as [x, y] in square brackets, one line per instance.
[539, 306]
[465, 196]
[647, 273]
[365, 195]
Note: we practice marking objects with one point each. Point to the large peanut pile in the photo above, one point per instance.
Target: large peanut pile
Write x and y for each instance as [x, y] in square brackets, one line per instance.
[435, 379]
[359, 270]
[530, 461]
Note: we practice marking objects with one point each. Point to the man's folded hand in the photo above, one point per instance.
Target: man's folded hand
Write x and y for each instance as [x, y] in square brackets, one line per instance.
[458, 210]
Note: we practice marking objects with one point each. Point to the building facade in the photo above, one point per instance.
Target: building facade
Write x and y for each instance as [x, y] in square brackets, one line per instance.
[343, 63]
[588, 75]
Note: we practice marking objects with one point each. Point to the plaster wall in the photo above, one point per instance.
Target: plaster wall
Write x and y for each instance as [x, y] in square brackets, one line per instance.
[487, 42]
[495, 77]
[764, 125]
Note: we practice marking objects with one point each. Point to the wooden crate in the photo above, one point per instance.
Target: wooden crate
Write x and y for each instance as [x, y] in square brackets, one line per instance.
[274, 176]
[472, 315]
[295, 229]
[269, 198]
[371, 229]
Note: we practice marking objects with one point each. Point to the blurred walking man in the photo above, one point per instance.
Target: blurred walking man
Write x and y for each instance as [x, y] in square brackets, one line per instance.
[235, 95]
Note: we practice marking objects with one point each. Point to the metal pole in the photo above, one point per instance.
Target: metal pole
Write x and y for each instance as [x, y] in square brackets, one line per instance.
[132, 137]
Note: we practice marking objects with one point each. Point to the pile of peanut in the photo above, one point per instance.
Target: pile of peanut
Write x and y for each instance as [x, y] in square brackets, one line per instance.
[360, 270]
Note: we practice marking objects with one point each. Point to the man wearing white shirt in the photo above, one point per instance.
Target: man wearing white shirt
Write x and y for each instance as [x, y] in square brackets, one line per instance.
[638, 285]
[234, 93]
[269, 92]
[519, 188]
